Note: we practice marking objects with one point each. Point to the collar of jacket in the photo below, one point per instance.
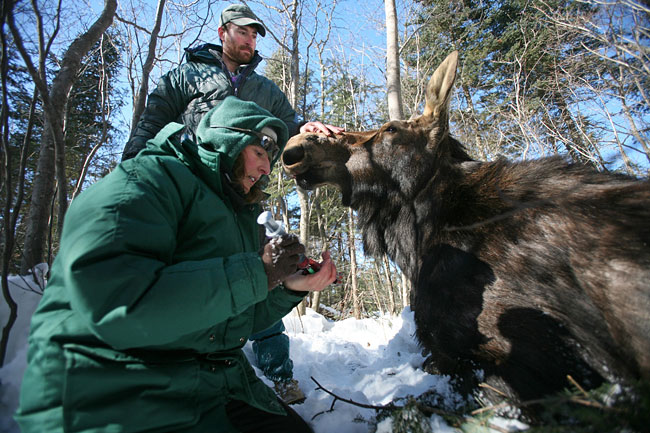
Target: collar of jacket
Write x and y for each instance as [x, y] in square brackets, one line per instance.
[213, 172]
[205, 164]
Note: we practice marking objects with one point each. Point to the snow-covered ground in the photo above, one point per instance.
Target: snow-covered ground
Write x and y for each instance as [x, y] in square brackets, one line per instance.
[26, 293]
[370, 361]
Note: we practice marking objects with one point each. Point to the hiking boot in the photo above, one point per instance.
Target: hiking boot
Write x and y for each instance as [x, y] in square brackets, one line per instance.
[289, 392]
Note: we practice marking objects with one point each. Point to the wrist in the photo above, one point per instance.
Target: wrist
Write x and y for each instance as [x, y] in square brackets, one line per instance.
[283, 286]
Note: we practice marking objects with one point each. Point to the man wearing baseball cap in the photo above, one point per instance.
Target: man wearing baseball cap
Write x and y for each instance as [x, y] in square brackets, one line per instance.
[185, 94]
[211, 73]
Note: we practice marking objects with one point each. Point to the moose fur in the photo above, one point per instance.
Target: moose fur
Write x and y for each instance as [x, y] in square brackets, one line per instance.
[529, 271]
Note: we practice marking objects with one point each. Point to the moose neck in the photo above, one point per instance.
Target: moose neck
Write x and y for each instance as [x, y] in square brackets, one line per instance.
[405, 228]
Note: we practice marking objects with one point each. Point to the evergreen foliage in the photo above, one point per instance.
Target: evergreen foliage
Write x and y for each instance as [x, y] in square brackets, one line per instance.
[95, 95]
[23, 137]
[89, 123]
[606, 409]
[524, 73]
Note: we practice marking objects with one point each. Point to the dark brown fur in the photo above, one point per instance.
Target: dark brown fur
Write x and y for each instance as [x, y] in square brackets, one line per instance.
[530, 271]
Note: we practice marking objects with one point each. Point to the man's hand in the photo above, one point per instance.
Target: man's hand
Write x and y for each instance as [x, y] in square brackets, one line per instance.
[315, 282]
[280, 257]
[317, 126]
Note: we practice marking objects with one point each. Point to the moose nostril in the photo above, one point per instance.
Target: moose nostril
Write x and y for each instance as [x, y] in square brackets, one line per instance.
[293, 155]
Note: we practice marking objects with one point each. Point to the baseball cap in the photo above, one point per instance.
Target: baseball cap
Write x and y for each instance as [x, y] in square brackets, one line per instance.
[241, 15]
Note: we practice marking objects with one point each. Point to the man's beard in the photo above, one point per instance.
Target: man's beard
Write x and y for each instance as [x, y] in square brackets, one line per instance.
[240, 55]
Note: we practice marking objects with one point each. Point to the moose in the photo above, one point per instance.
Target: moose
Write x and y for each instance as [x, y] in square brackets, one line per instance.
[528, 271]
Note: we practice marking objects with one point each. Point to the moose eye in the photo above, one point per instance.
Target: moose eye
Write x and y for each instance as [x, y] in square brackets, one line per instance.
[391, 129]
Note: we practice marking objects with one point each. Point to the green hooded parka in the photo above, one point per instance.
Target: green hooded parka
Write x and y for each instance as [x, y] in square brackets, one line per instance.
[156, 288]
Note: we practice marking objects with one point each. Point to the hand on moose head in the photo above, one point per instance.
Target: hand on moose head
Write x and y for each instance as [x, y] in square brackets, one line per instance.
[280, 257]
[315, 282]
[320, 127]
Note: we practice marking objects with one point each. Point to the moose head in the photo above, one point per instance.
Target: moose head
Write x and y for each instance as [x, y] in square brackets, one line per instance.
[402, 153]
[380, 171]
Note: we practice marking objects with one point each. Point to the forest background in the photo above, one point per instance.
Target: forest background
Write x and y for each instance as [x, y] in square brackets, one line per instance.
[536, 78]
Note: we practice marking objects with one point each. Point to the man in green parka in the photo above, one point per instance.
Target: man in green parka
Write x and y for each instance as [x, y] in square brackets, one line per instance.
[186, 93]
[159, 281]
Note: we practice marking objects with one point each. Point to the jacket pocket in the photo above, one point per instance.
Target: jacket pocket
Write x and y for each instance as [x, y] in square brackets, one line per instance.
[107, 391]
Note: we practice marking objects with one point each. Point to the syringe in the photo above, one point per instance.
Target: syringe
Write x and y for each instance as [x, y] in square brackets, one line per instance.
[274, 229]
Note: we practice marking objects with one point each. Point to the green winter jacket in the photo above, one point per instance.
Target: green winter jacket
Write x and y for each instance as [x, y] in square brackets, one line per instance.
[156, 287]
[188, 92]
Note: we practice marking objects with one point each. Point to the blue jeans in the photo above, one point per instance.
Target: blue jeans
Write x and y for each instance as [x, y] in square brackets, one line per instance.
[271, 349]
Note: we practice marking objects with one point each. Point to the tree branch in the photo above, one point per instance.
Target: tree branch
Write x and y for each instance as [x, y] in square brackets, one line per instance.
[336, 397]
[390, 406]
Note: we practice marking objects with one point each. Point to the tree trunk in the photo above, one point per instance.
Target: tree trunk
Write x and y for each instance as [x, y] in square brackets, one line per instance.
[295, 54]
[51, 161]
[105, 107]
[353, 267]
[303, 196]
[39, 209]
[406, 291]
[294, 78]
[394, 85]
[391, 288]
[375, 294]
[315, 296]
[141, 96]
[6, 177]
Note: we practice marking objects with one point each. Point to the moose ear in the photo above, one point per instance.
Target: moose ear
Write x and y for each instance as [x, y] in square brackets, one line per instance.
[439, 87]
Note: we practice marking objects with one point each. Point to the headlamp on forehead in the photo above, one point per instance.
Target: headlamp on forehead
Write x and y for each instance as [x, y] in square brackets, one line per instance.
[266, 137]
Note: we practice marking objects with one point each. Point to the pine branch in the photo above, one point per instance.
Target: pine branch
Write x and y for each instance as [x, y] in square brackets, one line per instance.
[585, 399]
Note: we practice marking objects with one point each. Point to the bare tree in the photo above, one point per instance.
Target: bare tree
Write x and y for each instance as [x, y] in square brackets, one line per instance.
[321, 44]
[140, 97]
[51, 162]
[393, 82]
[288, 40]
[406, 291]
[356, 301]
[287, 36]
[105, 114]
[391, 287]
[322, 235]
[375, 294]
[175, 26]
[616, 48]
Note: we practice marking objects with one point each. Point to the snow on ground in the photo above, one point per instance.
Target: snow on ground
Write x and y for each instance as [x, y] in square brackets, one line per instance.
[26, 293]
[370, 361]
